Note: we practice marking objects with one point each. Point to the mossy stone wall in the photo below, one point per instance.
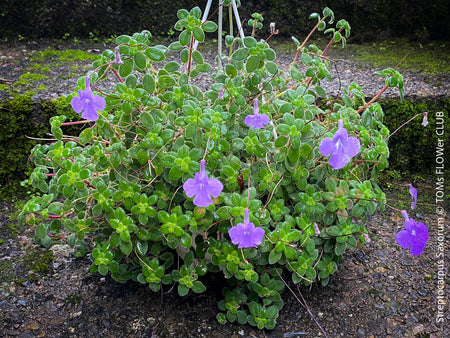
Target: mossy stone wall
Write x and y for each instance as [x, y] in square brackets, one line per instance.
[370, 20]
[412, 149]
[22, 121]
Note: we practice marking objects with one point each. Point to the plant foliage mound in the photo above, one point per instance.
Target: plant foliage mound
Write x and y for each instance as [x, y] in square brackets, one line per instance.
[250, 178]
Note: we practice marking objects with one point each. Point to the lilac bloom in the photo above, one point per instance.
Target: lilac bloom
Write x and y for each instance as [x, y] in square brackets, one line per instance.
[257, 120]
[414, 236]
[413, 192]
[202, 187]
[220, 93]
[341, 147]
[87, 103]
[117, 60]
[246, 234]
[366, 237]
[316, 229]
[425, 119]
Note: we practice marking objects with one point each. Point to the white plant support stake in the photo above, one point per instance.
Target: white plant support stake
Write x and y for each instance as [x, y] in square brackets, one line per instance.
[238, 22]
[219, 36]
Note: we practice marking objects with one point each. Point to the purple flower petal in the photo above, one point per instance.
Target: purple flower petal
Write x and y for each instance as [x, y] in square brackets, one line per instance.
[403, 238]
[351, 146]
[413, 192]
[202, 187]
[338, 160]
[202, 199]
[87, 103]
[257, 120]
[327, 147]
[246, 235]
[214, 187]
[414, 237]
[190, 187]
[342, 147]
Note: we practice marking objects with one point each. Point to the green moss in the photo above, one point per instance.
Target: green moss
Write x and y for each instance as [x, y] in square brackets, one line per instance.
[74, 299]
[432, 58]
[68, 55]
[37, 260]
[412, 148]
[6, 271]
[19, 120]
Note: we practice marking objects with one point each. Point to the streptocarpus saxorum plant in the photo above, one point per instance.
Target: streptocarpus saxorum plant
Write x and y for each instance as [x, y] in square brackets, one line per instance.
[233, 179]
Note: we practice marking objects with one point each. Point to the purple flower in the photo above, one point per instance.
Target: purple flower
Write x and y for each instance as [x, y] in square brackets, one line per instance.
[257, 120]
[316, 229]
[87, 103]
[220, 93]
[202, 187]
[246, 234]
[425, 119]
[117, 60]
[414, 236]
[413, 192]
[342, 147]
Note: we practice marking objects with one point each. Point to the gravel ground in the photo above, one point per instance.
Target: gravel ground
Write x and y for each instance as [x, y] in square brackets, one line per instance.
[379, 291]
[15, 60]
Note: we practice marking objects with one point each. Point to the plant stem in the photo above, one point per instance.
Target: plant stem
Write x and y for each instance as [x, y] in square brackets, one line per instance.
[373, 99]
[191, 48]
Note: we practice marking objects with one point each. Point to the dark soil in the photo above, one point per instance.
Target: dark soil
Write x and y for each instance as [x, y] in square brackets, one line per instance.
[379, 291]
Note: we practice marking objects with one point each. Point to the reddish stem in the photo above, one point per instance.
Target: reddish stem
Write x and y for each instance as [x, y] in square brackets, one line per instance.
[190, 54]
[373, 99]
[117, 75]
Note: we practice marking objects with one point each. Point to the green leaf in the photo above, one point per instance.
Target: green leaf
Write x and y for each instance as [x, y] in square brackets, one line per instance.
[281, 141]
[126, 68]
[240, 54]
[140, 61]
[183, 290]
[252, 64]
[209, 26]
[230, 70]
[184, 38]
[250, 42]
[274, 256]
[41, 230]
[203, 68]
[147, 119]
[149, 83]
[182, 14]
[175, 173]
[199, 35]
[197, 57]
[126, 247]
[141, 248]
[272, 67]
[321, 92]
[198, 287]
[154, 54]
[85, 136]
[166, 81]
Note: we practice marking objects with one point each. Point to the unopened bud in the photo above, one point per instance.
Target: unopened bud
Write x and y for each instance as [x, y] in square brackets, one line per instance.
[425, 119]
[118, 61]
[272, 28]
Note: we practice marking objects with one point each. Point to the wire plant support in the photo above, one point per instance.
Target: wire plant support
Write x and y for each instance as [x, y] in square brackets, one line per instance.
[232, 10]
